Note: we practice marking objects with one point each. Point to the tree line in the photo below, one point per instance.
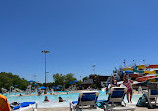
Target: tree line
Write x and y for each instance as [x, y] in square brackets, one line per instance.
[8, 79]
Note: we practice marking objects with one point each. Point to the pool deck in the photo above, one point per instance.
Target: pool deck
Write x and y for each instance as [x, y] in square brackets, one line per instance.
[67, 109]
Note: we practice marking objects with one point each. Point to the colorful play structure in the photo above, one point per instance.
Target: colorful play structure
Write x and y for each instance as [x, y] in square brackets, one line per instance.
[139, 73]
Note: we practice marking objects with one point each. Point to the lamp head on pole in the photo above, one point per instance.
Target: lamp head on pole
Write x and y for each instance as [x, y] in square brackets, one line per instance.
[45, 51]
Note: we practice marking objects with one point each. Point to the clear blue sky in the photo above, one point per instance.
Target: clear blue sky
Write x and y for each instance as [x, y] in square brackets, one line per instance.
[78, 33]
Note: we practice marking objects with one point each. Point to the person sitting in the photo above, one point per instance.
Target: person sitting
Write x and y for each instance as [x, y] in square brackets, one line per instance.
[113, 83]
[46, 99]
[60, 99]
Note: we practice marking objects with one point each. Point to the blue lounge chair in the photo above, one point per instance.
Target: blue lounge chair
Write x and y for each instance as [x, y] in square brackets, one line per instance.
[152, 93]
[23, 105]
[86, 98]
[116, 97]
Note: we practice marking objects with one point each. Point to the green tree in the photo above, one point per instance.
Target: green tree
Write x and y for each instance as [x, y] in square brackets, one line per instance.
[59, 79]
[68, 78]
[8, 79]
[85, 78]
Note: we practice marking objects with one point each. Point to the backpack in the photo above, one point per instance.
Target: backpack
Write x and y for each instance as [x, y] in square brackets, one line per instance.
[14, 104]
[142, 101]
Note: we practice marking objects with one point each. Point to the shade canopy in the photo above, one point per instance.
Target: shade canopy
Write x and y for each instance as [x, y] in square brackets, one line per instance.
[15, 85]
[42, 87]
[71, 82]
[75, 81]
[35, 85]
[31, 81]
[56, 88]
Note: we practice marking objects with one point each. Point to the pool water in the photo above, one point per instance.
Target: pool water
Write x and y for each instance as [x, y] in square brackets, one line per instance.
[54, 99]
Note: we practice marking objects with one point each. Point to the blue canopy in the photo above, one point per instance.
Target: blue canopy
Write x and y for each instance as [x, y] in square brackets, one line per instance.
[15, 85]
[31, 81]
[75, 81]
[71, 82]
[129, 72]
[56, 88]
[42, 87]
[35, 85]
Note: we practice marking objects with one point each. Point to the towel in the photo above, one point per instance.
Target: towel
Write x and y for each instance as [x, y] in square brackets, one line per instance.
[4, 104]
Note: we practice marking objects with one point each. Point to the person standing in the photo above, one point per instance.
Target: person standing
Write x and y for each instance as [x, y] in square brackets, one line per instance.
[128, 84]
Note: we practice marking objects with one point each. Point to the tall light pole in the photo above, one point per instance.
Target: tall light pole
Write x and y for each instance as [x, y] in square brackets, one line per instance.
[144, 61]
[93, 68]
[45, 51]
[124, 63]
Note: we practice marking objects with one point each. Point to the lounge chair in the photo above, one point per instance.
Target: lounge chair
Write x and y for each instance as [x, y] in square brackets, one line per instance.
[115, 99]
[151, 93]
[86, 99]
[23, 105]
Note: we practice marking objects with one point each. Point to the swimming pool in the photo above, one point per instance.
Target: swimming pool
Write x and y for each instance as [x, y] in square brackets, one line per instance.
[54, 99]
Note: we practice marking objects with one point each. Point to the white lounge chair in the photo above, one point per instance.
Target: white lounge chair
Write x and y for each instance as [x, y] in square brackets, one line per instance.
[86, 98]
[25, 105]
[152, 93]
[115, 100]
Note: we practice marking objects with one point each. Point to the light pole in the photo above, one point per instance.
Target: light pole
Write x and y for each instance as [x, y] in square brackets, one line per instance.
[144, 61]
[124, 63]
[93, 68]
[45, 51]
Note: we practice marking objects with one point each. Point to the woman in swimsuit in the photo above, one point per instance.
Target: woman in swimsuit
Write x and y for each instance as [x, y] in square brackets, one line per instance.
[113, 83]
[128, 84]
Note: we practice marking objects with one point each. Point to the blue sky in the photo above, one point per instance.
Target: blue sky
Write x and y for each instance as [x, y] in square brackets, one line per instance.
[78, 33]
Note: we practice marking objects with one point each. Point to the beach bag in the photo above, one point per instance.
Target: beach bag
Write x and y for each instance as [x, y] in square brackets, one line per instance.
[14, 104]
[142, 101]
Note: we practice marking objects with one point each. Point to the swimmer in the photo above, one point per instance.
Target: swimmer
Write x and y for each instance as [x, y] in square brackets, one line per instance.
[20, 95]
[60, 99]
[46, 99]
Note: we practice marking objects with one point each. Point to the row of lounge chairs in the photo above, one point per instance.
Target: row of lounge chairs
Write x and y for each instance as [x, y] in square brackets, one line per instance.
[115, 100]
[88, 99]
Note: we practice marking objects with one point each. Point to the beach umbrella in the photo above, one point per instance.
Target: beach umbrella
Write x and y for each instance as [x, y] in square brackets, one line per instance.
[35, 85]
[42, 87]
[56, 88]
[15, 85]
[31, 81]
[71, 82]
[74, 81]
